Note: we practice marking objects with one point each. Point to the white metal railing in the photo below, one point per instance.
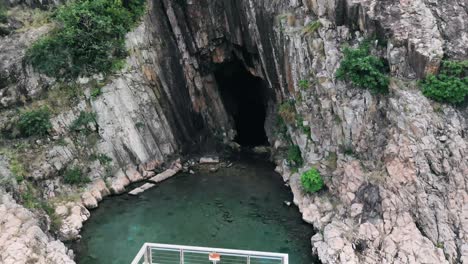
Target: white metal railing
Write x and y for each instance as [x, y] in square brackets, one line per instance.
[151, 253]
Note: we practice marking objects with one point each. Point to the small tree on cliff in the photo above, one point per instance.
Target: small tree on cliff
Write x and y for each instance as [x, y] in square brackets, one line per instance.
[312, 181]
[363, 69]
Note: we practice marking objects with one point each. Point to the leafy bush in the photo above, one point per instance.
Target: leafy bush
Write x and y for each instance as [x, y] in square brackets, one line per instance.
[3, 13]
[312, 181]
[363, 69]
[304, 84]
[35, 122]
[74, 176]
[82, 121]
[89, 38]
[281, 129]
[450, 85]
[287, 111]
[295, 156]
[96, 92]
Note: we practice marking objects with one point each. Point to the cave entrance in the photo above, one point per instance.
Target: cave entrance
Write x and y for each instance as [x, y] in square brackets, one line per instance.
[244, 96]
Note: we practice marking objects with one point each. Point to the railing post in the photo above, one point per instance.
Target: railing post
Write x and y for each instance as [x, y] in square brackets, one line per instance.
[148, 255]
[248, 259]
[181, 256]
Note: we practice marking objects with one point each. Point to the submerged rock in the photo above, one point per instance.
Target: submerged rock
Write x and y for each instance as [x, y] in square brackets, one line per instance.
[142, 188]
[261, 149]
[209, 160]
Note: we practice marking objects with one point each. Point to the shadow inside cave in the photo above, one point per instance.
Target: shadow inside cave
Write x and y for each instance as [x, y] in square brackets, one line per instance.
[244, 96]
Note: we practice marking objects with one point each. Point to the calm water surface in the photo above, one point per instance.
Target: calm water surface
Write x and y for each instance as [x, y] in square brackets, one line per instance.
[239, 207]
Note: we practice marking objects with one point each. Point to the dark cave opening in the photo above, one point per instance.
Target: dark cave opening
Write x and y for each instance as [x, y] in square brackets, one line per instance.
[244, 96]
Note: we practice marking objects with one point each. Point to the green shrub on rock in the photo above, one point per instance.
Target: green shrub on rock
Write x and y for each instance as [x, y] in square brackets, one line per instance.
[450, 85]
[3, 13]
[102, 158]
[35, 122]
[82, 121]
[304, 84]
[89, 39]
[295, 156]
[363, 69]
[312, 181]
[74, 176]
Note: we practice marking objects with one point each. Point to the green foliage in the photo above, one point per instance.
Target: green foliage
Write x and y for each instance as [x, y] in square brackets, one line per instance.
[74, 176]
[139, 124]
[307, 131]
[287, 111]
[348, 150]
[102, 158]
[96, 92]
[29, 198]
[311, 27]
[118, 65]
[312, 181]
[29, 18]
[82, 121]
[89, 39]
[62, 95]
[337, 119]
[363, 69]
[3, 13]
[35, 122]
[295, 156]
[450, 85]
[304, 84]
[17, 168]
[281, 130]
[300, 124]
[55, 220]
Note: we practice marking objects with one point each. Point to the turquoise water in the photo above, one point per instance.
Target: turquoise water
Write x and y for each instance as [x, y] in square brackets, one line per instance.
[239, 207]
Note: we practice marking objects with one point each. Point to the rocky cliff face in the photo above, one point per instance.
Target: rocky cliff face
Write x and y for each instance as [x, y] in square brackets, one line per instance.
[394, 165]
[397, 182]
[22, 239]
